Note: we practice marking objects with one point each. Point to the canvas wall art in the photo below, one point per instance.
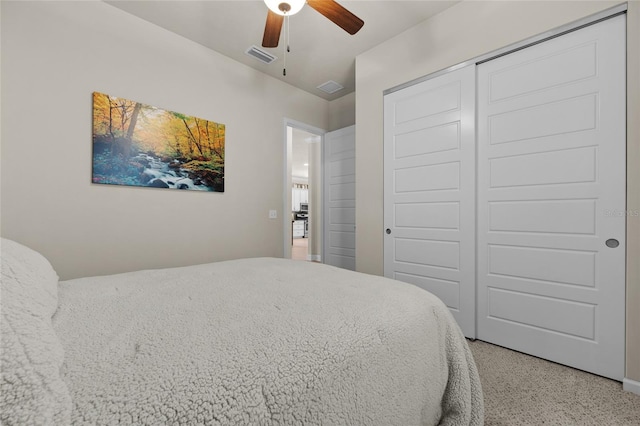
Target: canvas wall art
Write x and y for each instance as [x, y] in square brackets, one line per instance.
[140, 145]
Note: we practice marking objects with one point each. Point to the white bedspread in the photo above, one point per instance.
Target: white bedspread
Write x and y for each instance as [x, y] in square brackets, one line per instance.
[262, 342]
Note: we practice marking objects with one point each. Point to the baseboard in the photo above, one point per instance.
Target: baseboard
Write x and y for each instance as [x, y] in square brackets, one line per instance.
[314, 258]
[632, 386]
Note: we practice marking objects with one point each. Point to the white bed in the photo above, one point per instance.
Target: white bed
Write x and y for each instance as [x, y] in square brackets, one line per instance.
[246, 342]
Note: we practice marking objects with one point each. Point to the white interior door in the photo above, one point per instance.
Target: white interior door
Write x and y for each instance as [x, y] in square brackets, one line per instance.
[340, 198]
[429, 190]
[551, 199]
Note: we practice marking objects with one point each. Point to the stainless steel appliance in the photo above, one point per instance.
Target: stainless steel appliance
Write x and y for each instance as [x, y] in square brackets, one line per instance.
[303, 214]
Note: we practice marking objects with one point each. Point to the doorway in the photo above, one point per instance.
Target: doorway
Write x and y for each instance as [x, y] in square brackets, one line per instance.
[303, 192]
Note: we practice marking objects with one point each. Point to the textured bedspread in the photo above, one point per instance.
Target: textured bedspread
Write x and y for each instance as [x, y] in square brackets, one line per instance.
[262, 342]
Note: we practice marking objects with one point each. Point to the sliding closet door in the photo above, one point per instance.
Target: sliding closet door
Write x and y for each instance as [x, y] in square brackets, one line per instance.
[551, 199]
[429, 198]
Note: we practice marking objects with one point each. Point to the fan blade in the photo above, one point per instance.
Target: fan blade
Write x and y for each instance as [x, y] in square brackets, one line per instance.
[272, 30]
[338, 15]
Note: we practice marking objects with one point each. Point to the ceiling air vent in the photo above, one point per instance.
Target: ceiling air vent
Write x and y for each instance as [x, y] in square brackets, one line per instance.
[260, 54]
[330, 87]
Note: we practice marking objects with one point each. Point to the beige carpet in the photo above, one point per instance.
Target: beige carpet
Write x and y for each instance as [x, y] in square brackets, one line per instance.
[523, 390]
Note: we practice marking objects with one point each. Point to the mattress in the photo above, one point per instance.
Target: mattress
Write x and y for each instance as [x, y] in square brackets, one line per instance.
[262, 341]
[245, 342]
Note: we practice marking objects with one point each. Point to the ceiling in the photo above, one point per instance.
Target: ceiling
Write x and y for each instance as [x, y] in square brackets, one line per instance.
[320, 50]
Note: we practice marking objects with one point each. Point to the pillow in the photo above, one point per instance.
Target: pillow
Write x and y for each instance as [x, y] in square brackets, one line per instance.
[31, 389]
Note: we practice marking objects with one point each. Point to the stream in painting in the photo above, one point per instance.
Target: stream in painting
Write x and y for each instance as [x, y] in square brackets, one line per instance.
[167, 174]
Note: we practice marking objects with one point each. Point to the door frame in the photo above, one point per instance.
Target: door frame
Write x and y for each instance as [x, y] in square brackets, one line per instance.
[287, 181]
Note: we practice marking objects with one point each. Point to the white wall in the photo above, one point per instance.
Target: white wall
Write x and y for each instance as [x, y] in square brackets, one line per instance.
[467, 30]
[342, 112]
[54, 55]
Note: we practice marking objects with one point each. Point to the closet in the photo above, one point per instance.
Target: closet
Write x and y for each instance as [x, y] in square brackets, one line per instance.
[504, 195]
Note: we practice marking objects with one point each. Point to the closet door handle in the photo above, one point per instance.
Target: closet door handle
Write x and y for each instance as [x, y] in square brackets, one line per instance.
[612, 243]
[388, 231]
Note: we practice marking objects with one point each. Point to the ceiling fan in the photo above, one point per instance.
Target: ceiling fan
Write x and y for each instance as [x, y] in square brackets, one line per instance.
[279, 9]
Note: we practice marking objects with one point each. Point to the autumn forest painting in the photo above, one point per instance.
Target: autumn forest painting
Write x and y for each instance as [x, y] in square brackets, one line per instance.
[141, 145]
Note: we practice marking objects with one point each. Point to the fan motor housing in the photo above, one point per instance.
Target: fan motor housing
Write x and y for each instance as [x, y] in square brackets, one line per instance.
[285, 7]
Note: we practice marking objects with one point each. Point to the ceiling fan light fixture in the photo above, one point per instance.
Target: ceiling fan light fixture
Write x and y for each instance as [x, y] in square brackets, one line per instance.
[285, 7]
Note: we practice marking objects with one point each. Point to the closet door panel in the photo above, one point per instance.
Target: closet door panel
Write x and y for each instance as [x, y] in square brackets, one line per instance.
[551, 170]
[429, 201]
